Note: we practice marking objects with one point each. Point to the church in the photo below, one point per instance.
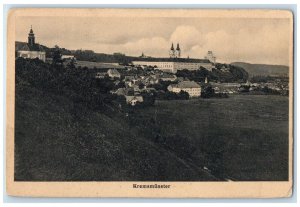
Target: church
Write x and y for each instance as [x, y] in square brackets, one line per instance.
[30, 49]
[175, 62]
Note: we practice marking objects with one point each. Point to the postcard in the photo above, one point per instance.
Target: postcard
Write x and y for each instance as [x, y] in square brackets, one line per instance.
[149, 103]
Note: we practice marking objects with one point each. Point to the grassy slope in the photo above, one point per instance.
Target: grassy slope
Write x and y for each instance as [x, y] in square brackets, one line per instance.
[57, 140]
[262, 69]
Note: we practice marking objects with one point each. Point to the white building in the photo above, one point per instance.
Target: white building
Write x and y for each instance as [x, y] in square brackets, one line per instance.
[171, 65]
[133, 100]
[30, 50]
[68, 57]
[191, 87]
[113, 73]
[210, 56]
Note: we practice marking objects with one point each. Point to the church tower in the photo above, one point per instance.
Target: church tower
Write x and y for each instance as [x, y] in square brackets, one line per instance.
[172, 52]
[31, 38]
[178, 51]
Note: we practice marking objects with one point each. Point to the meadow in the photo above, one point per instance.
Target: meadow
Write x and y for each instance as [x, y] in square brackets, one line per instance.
[243, 137]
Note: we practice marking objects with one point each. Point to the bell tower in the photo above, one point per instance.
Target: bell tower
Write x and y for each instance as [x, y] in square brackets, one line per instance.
[172, 52]
[31, 38]
[178, 51]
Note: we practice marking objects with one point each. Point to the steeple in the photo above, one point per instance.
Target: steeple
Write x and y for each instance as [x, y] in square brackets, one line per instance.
[172, 51]
[178, 52]
[172, 47]
[31, 38]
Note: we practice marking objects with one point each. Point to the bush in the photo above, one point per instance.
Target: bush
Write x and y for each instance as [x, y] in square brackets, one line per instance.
[207, 91]
[78, 84]
[182, 95]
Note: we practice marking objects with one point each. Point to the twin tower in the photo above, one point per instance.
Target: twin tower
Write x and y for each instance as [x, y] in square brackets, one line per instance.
[175, 53]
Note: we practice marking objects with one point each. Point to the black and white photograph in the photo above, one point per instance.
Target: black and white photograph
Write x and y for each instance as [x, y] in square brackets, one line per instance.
[152, 97]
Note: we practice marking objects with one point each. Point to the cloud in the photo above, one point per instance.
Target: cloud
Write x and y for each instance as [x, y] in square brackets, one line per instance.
[250, 40]
[269, 44]
[187, 36]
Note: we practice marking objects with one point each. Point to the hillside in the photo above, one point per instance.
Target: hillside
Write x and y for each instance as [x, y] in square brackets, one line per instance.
[53, 144]
[58, 136]
[263, 69]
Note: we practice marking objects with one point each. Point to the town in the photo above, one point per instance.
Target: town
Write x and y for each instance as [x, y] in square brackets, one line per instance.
[173, 77]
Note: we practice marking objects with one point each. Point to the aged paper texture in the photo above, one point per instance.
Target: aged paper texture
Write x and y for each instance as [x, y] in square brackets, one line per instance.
[149, 103]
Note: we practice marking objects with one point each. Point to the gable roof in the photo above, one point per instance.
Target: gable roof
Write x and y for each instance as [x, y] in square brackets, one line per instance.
[131, 98]
[23, 46]
[186, 84]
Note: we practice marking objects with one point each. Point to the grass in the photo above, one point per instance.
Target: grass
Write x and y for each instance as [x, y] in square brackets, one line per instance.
[240, 138]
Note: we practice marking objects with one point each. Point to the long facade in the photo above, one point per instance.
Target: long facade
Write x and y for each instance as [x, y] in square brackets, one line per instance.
[172, 65]
[32, 54]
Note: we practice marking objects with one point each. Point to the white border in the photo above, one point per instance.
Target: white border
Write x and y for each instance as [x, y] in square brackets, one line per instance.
[120, 3]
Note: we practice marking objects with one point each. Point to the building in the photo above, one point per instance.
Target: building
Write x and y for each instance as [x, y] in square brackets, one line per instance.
[100, 75]
[175, 53]
[172, 65]
[30, 49]
[191, 87]
[210, 56]
[68, 57]
[113, 73]
[174, 62]
[133, 100]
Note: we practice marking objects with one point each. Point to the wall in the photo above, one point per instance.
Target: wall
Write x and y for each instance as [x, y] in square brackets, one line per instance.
[32, 55]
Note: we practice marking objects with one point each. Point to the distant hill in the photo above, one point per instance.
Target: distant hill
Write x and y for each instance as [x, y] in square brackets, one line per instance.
[263, 69]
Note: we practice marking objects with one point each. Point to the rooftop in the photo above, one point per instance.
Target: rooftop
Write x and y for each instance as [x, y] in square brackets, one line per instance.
[23, 46]
[113, 71]
[187, 84]
[186, 60]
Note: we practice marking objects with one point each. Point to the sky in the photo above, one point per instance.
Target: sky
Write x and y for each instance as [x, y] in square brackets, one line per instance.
[252, 40]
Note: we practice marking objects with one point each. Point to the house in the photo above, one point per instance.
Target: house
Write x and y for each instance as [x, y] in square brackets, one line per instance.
[123, 91]
[100, 75]
[113, 73]
[30, 50]
[68, 57]
[148, 90]
[191, 87]
[133, 100]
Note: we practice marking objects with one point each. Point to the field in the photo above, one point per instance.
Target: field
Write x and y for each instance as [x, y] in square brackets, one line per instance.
[238, 138]
[244, 137]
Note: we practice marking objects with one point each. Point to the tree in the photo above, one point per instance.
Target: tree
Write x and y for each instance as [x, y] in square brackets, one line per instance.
[183, 95]
[57, 60]
[207, 91]
[148, 99]
[71, 64]
[141, 86]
